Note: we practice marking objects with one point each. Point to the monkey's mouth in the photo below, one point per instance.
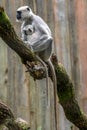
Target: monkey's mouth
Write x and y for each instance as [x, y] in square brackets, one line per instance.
[18, 16]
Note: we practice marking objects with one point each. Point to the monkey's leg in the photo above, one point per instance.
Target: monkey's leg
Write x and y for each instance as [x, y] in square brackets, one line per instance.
[47, 78]
[55, 89]
[42, 44]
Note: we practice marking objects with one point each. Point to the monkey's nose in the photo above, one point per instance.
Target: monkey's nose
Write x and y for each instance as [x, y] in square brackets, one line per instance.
[19, 12]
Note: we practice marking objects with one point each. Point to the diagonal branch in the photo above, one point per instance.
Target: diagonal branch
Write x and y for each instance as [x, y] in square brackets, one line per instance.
[65, 87]
[7, 118]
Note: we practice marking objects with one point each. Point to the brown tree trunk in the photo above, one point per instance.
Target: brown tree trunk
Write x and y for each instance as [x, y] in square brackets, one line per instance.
[7, 119]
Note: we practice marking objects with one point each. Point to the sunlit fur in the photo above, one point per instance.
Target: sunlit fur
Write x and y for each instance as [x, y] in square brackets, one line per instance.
[25, 13]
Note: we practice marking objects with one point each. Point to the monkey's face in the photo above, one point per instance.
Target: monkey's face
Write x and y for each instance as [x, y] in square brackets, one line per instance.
[23, 13]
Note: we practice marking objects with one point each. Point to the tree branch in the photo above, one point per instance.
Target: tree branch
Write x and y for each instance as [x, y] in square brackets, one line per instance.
[66, 94]
[65, 87]
[7, 119]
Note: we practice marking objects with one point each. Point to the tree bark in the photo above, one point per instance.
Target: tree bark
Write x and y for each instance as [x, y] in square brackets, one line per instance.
[7, 119]
[65, 87]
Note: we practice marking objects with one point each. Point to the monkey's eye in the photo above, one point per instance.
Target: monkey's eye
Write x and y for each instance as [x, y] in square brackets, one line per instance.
[28, 9]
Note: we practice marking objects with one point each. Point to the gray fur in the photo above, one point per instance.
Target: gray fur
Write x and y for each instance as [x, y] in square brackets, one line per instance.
[36, 33]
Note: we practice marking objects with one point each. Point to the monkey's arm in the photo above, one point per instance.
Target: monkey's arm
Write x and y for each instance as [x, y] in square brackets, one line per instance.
[23, 36]
[64, 84]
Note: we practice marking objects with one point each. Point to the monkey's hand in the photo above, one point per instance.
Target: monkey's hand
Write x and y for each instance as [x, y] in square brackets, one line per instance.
[28, 45]
[27, 42]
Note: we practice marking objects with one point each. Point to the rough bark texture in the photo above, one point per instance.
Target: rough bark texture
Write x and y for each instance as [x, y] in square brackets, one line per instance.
[8, 34]
[7, 119]
[65, 87]
[66, 94]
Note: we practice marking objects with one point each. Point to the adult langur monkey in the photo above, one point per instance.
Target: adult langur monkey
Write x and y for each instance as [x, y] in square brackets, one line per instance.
[37, 35]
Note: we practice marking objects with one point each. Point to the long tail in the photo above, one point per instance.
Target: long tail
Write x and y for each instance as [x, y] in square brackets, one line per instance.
[47, 84]
[47, 78]
[55, 89]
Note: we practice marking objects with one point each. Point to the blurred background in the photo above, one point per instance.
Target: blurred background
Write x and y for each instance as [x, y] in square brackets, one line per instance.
[67, 20]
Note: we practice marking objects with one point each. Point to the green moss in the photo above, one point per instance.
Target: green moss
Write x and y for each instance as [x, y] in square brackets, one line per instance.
[22, 124]
[3, 17]
[2, 127]
[64, 85]
[66, 94]
[65, 88]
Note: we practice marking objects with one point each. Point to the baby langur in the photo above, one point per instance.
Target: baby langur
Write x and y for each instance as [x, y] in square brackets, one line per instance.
[37, 35]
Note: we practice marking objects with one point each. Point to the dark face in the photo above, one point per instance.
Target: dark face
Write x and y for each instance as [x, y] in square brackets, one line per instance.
[18, 16]
[23, 13]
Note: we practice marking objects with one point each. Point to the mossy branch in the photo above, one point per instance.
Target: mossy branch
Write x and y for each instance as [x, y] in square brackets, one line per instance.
[65, 87]
[7, 119]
